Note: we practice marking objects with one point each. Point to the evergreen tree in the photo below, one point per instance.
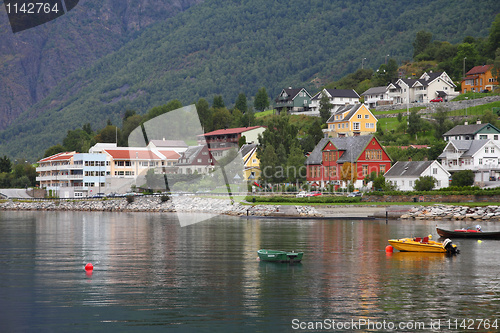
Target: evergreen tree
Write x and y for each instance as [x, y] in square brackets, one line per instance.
[422, 40]
[425, 183]
[218, 102]
[241, 103]
[5, 164]
[205, 115]
[324, 107]
[261, 101]
[295, 168]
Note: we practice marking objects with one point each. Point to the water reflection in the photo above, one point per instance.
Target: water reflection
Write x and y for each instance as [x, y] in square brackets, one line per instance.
[151, 273]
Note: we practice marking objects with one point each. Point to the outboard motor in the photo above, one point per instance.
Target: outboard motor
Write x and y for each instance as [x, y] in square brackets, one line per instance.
[447, 244]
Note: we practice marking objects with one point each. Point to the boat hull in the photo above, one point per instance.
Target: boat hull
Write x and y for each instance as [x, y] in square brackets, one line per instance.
[468, 234]
[409, 245]
[279, 256]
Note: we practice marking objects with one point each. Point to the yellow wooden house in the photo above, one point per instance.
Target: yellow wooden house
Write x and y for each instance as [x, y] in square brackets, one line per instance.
[352, 120]
[250, 161]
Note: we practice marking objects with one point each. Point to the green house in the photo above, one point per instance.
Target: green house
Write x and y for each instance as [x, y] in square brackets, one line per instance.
[293, 99]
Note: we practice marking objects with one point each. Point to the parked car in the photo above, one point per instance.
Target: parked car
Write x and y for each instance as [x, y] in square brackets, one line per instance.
[301, 194]
[314, 194]
[354, 194]
[437, 100]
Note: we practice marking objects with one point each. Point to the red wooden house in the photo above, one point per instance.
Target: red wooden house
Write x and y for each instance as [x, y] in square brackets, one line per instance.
[324, 164]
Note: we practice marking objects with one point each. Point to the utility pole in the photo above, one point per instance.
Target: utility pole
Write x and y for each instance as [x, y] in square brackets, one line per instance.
[363, 63]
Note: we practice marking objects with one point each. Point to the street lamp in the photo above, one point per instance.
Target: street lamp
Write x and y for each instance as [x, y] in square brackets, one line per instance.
[466, 98]
[386, 59]
[363, 63]
[464, 67]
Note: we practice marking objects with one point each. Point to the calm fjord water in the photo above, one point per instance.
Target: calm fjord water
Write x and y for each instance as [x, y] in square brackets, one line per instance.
[152, 275]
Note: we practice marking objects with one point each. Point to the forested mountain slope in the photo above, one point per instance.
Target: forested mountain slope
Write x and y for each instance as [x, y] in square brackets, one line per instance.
[35, 61]
[227, 47]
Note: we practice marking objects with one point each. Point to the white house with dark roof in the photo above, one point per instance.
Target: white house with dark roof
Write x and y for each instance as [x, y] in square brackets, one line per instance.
[476, 131]
[404, 174]
[480, 156]
[422, 90]
[376, 96]
[337, 97]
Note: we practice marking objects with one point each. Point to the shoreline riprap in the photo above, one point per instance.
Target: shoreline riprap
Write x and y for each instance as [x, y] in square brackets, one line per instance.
[155, 204]
[447, 212]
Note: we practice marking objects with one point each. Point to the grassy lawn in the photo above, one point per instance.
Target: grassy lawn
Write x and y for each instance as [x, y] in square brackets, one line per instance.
[474, 110]
[264, 113]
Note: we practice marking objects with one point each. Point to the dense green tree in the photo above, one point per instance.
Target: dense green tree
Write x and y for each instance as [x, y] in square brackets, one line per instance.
[5, 164]
[295, 168]
[269, 165]
[108, 134]
[129, 124]
[128, 113]
[441, 124]
[76, 140]
[248, 118]
[495, 71]
[489, 117]
[462, 178]
[159, 110]
[241, 103]
[54, 150]
[205, 115]
[218, 102]
[261, 101]
[422, 40]
[414, 123]
[87, 128]
[467, 51]
[221, 118]
[241, 141]
[494, 37]
[324, 107]
[237, 117]
[425, 183]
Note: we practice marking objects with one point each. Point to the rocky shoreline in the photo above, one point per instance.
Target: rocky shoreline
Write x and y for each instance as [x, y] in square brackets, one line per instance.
[154, 204]
[446, 212]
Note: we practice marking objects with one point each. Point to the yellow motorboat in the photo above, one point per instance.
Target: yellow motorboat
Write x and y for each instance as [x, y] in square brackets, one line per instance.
[418, 244]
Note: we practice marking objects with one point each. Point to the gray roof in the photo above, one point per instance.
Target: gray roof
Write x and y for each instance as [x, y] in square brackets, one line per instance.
[468, 129]
[190, 154]
[247, 148]
[352, 146]
[408, 169]
[291, 93]
[315, 156]
[375, 90]
[467, 147]
[351, 108]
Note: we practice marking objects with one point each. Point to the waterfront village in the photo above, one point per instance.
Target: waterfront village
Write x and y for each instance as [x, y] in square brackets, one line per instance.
[349, 140]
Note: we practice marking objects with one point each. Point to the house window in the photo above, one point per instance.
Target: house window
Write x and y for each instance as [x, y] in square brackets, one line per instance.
[199, 160]
[382, 168]
[410, 183]
[480, 161]
[365, 170]
[434, 171]
[486, 150]
[483, 137]
[495, 137]
[367, 116]
[355, 126]
[359, 116]
[370, 125]
[492, 150]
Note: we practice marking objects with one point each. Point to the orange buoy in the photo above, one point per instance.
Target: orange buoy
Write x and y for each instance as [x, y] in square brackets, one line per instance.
[389, 249]
[89, 267]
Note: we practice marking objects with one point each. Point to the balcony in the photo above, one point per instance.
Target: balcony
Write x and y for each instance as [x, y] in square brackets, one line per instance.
[59, 167]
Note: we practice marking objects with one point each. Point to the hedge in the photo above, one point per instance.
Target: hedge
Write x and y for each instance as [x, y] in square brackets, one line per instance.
[290, 199]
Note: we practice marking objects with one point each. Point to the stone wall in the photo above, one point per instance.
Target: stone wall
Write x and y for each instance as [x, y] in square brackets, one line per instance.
[431, 198]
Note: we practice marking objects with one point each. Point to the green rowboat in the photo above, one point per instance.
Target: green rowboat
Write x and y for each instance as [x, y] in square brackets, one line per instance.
[280, 256]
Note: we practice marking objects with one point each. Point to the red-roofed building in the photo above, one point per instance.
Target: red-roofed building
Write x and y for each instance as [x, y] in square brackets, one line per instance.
[479, 78]
[131, 162]
[222, 140]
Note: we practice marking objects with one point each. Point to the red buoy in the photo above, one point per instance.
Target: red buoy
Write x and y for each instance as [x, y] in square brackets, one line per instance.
[389, 249]
[89, 267]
